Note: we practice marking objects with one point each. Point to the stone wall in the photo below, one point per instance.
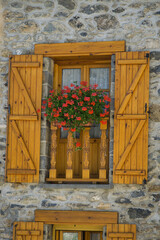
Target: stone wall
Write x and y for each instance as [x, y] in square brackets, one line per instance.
[25, 23]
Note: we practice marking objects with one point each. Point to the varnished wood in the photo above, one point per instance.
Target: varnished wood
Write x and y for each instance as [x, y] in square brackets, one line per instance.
[131, 172]
[70, 149]
[22, 118]
[24, 91]
[133, 61]
[52, 171]
[28, 230]
[24, 123]
[80, 49]
[130, 144]
[26, 64]
[132, 88]
[28, 233]
[21, 171]
[77, 180]
[121, 231]
[131, 118]
[85, 154]
[22, 144]
[78, 217]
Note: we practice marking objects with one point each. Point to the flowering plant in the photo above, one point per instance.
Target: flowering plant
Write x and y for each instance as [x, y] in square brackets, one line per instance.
[75, 106]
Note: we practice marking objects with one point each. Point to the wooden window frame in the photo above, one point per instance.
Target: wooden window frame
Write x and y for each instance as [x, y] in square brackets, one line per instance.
[81, 53]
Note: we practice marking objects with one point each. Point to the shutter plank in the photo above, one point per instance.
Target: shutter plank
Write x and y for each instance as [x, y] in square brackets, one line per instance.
[26, 64]
[131, 119]
[121, 231]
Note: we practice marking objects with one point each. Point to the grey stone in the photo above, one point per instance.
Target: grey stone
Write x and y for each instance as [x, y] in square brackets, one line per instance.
[75, 22]
[138, 213]
[157, 13]
[90, 9]
[28, 26]
[155, 55]
[45, 203]
[118, 10]
[2, 147]
[16, 206]
[49, 28]
[31, 8]
[159, 91]
[155, 112]
[106, 22]
[83, 34]
[10, 16]
[49, 4]
[158, 23]
[155, 69]
[156, 197]
[147, 23]
[69, 4]
[122, 200]
[136, 194]
[135, 5]
[16, 4]
[150, 205]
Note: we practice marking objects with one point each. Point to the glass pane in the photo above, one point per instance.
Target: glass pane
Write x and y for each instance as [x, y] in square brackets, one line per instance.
[99, 76]
[95, 236]
[95, 131]
[72, 75]
[70, 236]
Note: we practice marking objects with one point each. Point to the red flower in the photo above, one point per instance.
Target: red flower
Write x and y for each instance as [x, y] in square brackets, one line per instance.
[66, 114]
[56, 115]
[65, 105]
[87, 99]
[60, 97]
[54, 110]
[38, 110]
[78, 144]
[84, 109]
[45, 114]
[93, 103]
[66, 88]
[60, 109]
[73, 129]
[65, 95]
[78, 118]
[74, 96]
[103, 122]
[43, 107]
[71, 116]
[100, 100]
[80, 92]
[80, 104]
[94, 94]
[102, 114]
[107, 106]
[63, 123]
[44, 102]
[72, 85]
[95, 85]
[90, 111]
[83, 83]
[51, 91]
[65, 129]
[106, 98]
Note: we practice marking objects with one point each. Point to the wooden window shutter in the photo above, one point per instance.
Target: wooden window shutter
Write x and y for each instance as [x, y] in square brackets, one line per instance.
[24, 121]
[28, 230]
[121, 231]
[131, 117]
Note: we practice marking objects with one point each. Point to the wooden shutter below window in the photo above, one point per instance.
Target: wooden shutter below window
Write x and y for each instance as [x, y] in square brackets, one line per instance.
[28, 230]
[131, 117]
[24, 122]
[121, 231]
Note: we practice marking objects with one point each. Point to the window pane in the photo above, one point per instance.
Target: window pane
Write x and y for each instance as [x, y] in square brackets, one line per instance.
[70, 236]
[64, 134]
[72, 75]
[95, 131]
[99, 76]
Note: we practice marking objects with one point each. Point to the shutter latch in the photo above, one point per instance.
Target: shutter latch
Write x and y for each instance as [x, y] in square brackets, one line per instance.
[145, 107]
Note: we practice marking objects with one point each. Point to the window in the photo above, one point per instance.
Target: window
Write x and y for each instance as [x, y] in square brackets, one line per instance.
[80, 60]
[67, 72]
